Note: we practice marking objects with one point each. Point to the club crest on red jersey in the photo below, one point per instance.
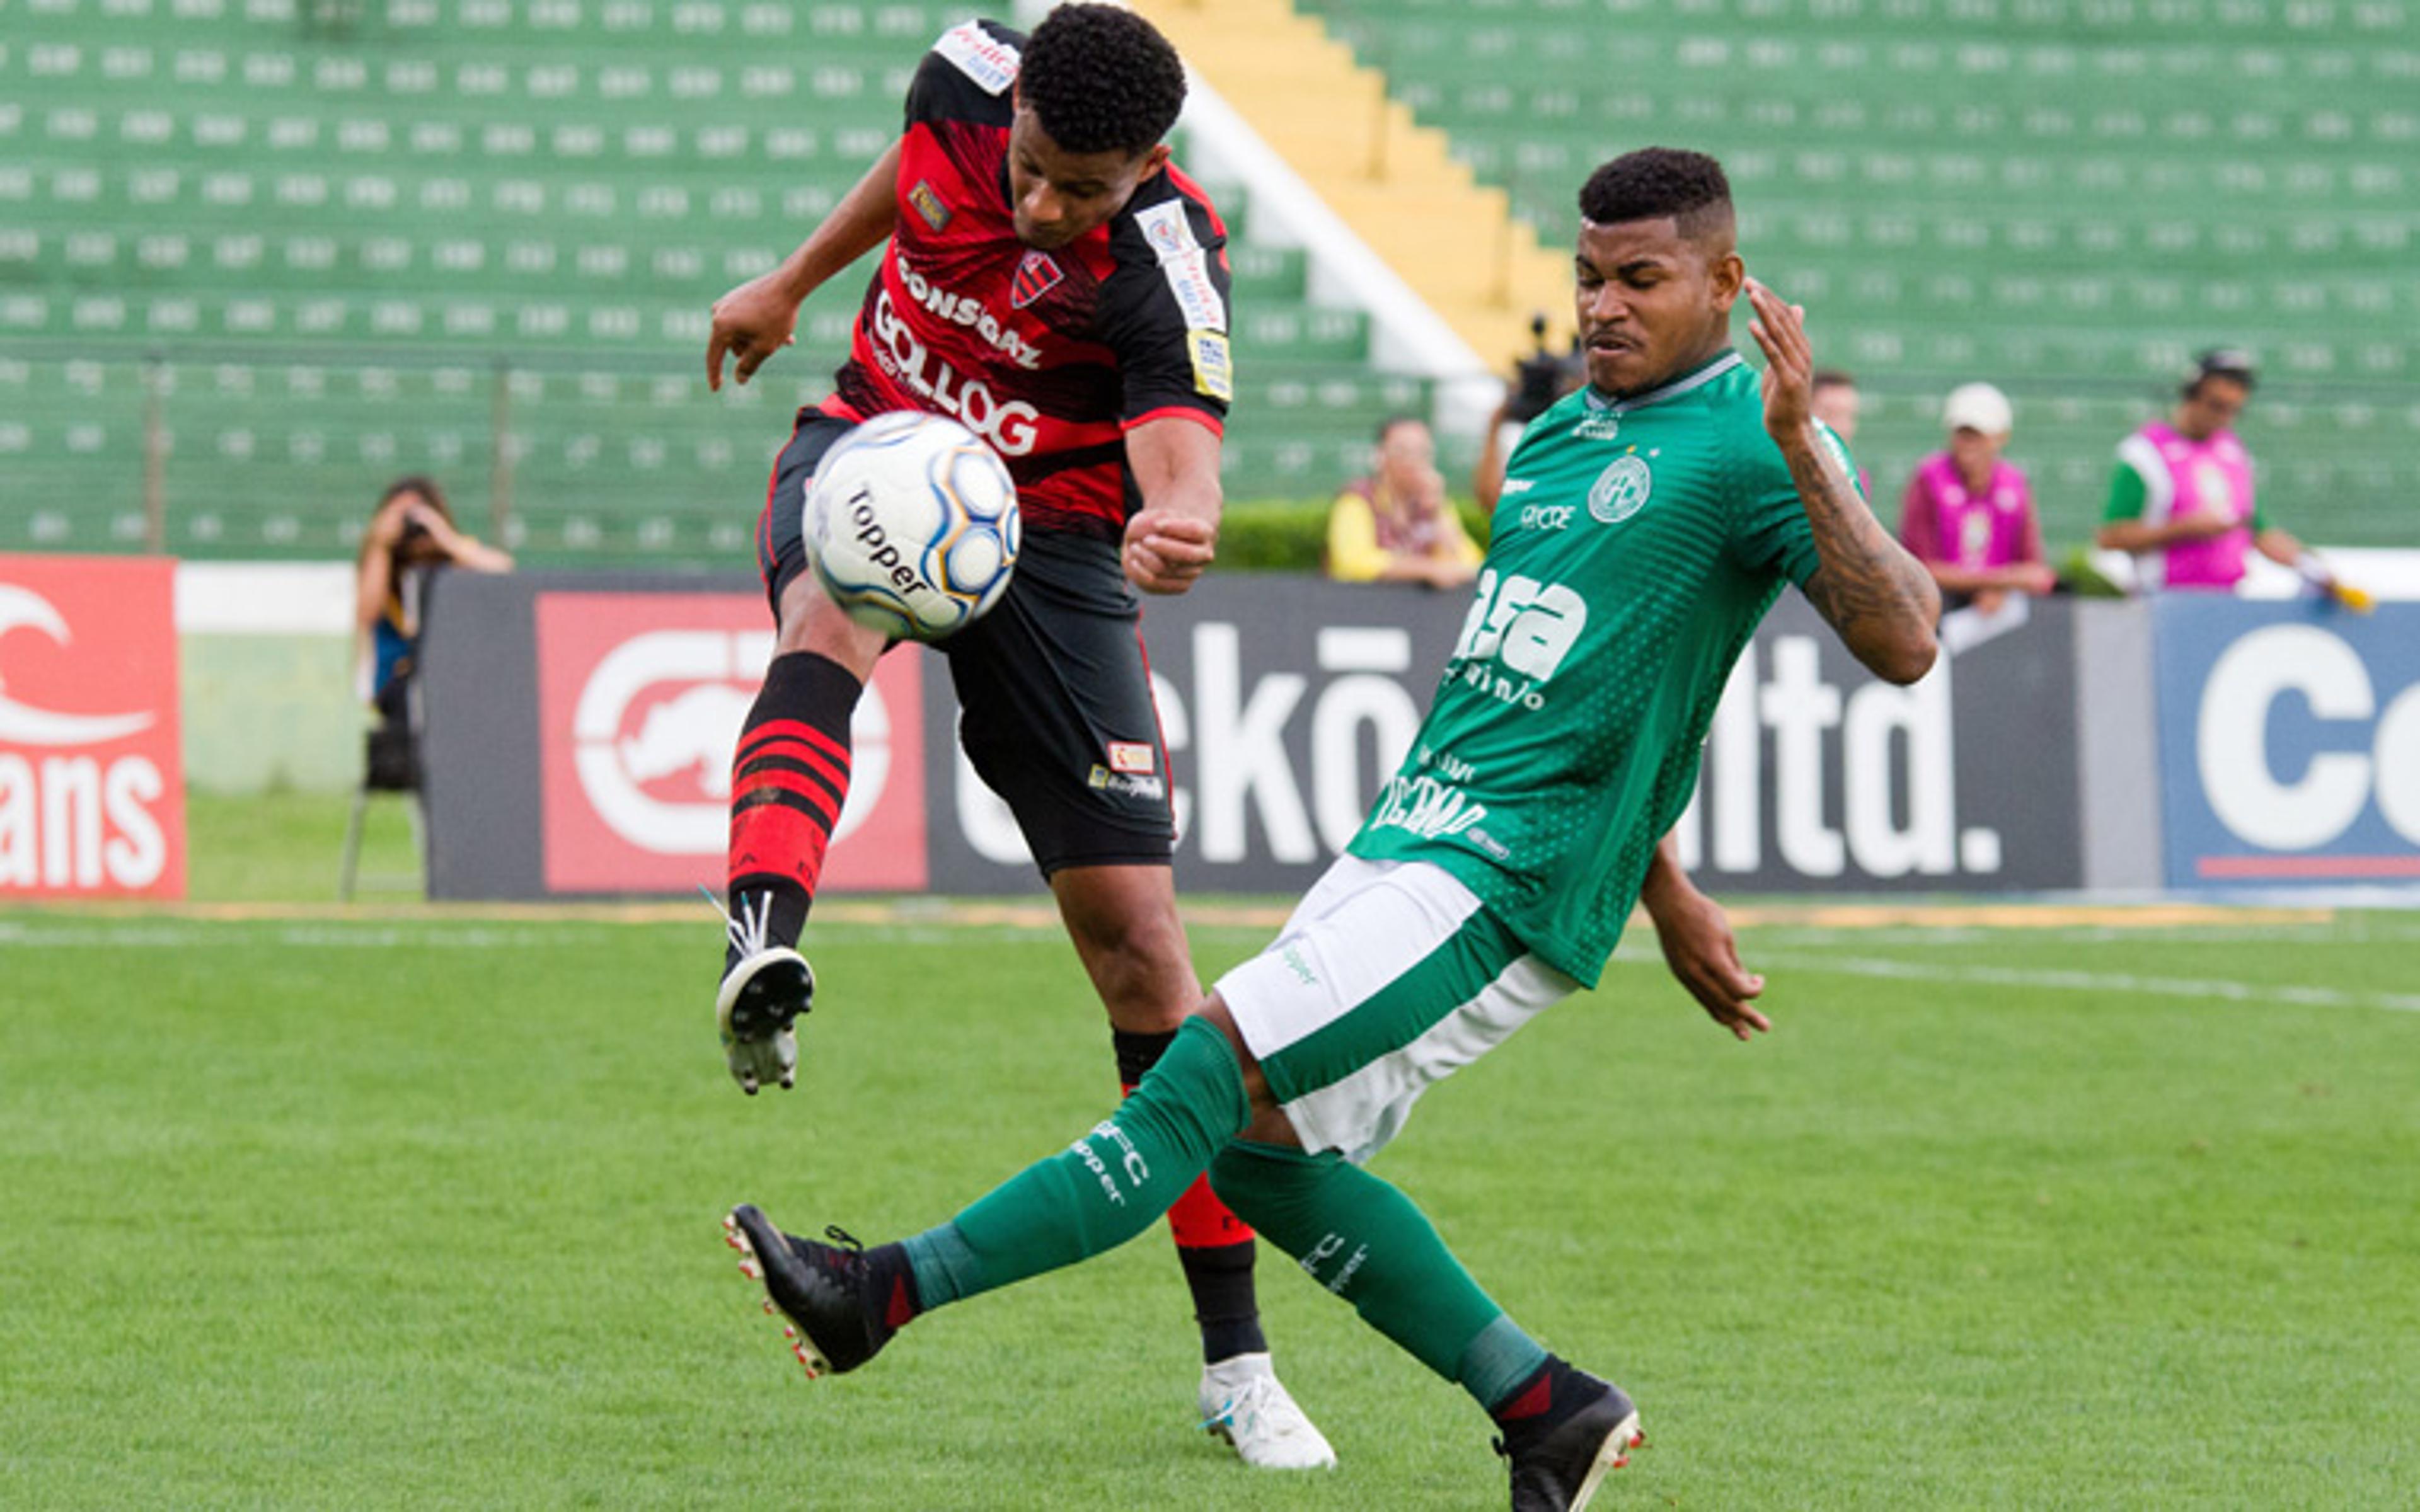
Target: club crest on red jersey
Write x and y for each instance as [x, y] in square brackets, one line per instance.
[1037, 275]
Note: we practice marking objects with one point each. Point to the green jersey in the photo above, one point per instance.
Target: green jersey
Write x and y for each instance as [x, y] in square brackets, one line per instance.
[1637, 545]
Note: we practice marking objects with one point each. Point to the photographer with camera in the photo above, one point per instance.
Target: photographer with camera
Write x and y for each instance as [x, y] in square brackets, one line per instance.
[1538, 381]
[411, 528]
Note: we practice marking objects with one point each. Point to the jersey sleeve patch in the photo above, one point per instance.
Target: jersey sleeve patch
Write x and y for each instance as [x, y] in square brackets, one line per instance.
[1185, 263]
[1214, 364]
[989, 62]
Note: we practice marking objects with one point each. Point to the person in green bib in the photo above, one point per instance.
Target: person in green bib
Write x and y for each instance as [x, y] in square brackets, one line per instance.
[1647, 523]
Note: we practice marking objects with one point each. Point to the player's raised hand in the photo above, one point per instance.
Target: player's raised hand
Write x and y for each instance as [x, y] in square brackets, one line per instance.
[1780, 330]
[1699, 946]
[1167, 552]
[751, 323]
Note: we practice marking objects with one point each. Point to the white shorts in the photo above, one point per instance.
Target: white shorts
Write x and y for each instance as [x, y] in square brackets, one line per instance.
[1391, 977]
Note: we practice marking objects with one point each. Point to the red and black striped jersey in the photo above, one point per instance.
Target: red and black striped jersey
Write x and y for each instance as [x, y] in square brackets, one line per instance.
[1052, 357]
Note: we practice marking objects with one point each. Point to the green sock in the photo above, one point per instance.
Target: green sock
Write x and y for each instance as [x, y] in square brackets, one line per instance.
[1364, 1240]
[1101, 1191]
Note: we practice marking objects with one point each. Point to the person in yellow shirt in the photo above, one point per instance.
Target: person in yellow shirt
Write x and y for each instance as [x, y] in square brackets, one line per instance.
[1396, 525]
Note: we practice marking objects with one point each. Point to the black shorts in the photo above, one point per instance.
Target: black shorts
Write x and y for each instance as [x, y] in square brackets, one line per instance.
[1054, 689]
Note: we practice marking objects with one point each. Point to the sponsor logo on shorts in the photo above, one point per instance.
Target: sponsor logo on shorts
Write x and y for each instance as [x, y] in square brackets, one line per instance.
[1126, 785]
[1132, 756]
[1214, 366]
[928, 205]
[1292, 957]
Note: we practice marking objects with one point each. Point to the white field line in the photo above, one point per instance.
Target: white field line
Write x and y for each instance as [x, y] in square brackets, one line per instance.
[2088, 981]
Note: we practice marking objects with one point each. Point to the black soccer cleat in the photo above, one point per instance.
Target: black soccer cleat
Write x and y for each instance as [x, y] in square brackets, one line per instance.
[762, 994]
[1558, 1462]
[842, 1304]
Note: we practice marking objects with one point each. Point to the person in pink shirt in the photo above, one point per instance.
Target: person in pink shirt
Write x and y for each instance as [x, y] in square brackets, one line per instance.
[2182, 501]
[1969, 513]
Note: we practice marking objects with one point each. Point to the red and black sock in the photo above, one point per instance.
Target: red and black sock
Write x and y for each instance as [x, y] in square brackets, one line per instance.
[789, 778]
[1214, 1246]
[1544, 1401]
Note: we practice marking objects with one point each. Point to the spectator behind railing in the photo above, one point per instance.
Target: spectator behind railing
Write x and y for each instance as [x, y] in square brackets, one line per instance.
[1969, 511]
[1396, 525]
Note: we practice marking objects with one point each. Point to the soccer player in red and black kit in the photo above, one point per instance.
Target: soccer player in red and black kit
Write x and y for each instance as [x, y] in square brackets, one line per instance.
[1052, 282]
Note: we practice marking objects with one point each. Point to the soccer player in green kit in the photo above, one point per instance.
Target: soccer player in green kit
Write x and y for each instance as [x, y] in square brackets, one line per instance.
[1647, 523]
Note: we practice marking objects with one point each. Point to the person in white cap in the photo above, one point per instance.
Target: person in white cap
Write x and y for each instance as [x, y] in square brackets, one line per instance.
[1969, 513]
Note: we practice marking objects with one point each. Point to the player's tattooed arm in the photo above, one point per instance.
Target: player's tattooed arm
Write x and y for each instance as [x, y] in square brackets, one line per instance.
[1699, 946]
[1881, 600]
[761, 317]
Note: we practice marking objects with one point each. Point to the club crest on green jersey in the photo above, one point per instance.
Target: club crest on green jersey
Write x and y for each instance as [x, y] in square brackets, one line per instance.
[1620, 490]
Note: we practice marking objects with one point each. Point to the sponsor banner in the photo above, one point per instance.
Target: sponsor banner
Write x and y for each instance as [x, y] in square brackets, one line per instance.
[1818, 775]
[641, 701]
[92, 788]
[2290, 742]
[568, 745]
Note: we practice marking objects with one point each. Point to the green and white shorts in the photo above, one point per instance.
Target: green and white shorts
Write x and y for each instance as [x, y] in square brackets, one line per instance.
[1391, 977]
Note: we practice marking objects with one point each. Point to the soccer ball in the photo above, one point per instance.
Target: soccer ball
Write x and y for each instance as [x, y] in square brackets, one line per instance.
[912, 527]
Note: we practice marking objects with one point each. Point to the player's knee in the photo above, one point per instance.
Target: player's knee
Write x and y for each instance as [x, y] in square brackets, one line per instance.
[1271, 1187]
[1140, 964]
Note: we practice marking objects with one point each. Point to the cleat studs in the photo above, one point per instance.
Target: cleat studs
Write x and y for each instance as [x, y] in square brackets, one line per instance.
[769, 1305]
[788, 1332]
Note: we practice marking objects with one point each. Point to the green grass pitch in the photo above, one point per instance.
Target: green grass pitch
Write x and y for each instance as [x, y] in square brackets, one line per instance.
[360, 1212]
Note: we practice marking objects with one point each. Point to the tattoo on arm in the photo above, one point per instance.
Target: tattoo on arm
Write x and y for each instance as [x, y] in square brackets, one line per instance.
[1867, 586]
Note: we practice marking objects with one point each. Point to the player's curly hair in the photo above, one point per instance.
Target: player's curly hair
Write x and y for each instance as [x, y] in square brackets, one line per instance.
[1101, 79]
[1655, 182]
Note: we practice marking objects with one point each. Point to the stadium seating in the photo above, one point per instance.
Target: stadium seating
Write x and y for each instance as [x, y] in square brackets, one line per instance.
[312, 244]
[2066, 197]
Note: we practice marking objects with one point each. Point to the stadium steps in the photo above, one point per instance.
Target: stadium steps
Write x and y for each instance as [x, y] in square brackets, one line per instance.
[318, 243]
[2066, 196]
[1452, 239]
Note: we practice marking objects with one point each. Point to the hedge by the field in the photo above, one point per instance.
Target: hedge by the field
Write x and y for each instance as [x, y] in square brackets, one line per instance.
[1287, 534]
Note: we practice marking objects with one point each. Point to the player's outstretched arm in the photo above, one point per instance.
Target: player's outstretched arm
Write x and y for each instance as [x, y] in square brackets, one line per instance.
[1879, 599]
[1699, 946]
[761, 317]
[1171, 539]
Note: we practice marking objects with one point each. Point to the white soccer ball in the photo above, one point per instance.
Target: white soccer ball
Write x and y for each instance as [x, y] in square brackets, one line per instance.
[912, 525]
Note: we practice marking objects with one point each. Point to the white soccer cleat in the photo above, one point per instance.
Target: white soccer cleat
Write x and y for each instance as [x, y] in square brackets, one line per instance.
[1243, 1402]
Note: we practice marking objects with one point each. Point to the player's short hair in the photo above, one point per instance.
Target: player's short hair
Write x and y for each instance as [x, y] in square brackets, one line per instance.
[1101, 79]
[1392, 423]
[1832, 377]
[1654, 183]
